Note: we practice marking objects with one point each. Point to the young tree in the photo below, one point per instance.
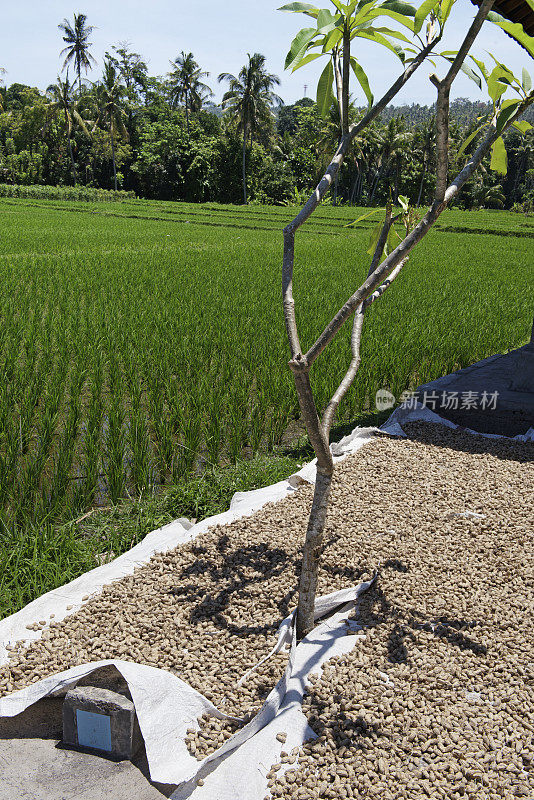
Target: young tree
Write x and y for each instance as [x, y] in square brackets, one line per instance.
[249, 100]
[332, 36]
[131, 67]
[185, 84]
[77, 50]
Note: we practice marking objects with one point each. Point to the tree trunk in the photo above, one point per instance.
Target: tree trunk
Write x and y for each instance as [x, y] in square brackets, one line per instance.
[355, 185]
[245, 166]
[421, 184]
[69, 145]
[312, 553]
[187, 114]
[113, 157]
[72, 162]
[397, 178]
[377, 181]
[518, 176]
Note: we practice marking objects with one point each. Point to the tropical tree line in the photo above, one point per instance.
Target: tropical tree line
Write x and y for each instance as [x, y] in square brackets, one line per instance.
[164, 138]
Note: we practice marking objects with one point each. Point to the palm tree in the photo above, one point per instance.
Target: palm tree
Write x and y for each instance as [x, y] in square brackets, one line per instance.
[249, 99]
[331, 133]
[185, 84]
[109, 95]
[77, 49]
[394, 146]
[64, 102]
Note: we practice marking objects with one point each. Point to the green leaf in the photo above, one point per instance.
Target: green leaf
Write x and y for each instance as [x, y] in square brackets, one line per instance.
[394, 34]
[362, 13]
[522, 125]
[391, 243]
[362, 79]
[499, 157]
[471, 74]
[407, 21]
[364, 216]
[324, 89]
[481, 66]
[299, 46]
[404, 202]
[305, 8]
[505, 114]
[373, 240]
[527, 81]
[469, 139]
[338, 6]
[306, 60]
[496, 86]
[515, 30]
[377, 37]
[332, 40]
[404, 9]
[468, 71]
[326, 21]
[422, 13]
[446, 8]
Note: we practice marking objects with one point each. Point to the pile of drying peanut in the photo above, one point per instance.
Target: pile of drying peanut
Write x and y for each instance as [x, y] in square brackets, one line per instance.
[437, 700]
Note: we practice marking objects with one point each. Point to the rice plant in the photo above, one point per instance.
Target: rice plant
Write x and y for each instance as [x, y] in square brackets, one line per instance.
[142, 342]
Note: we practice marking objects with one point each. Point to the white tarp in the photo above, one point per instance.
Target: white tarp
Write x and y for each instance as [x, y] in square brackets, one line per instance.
[166, 706]
[14, 628]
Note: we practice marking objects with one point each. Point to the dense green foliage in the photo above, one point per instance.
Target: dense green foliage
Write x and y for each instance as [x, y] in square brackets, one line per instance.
[78, 193]
[164, 139]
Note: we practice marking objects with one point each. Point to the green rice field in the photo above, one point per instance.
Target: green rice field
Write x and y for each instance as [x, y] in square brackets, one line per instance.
[142, 341]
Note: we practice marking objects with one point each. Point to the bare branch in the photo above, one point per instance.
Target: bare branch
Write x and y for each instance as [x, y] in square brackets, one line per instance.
[344, 386]
[287, 290]
[357, 329]
[383, 286]
[442, 104]
[442, 139]
[301, 374]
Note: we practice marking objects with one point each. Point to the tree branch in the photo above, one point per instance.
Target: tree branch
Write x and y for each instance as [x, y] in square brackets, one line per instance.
[326, 181]
[345, 80]
[320, 444]
[442, 104]
[357, 329]
[472, 33]
[339, 85]
[442, 138]
[403, 249]
[322, 188]
[287, 290]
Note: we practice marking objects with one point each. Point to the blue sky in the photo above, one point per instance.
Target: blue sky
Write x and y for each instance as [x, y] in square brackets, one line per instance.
[219, 34]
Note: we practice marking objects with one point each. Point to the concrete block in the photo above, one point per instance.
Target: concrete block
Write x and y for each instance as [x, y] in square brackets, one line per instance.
[102, 721]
